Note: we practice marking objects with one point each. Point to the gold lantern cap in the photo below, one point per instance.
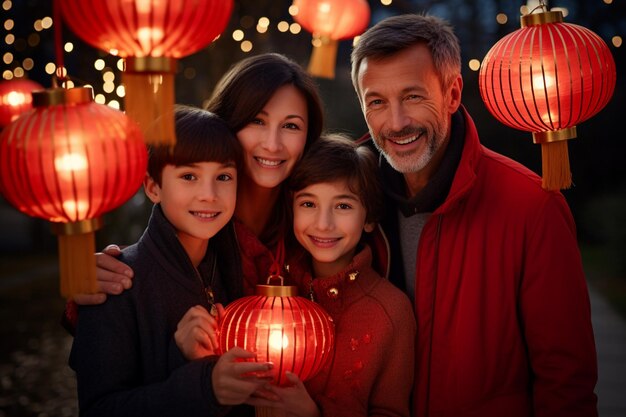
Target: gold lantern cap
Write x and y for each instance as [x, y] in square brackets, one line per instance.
[57, 96]
[151, 64]
[281, 290]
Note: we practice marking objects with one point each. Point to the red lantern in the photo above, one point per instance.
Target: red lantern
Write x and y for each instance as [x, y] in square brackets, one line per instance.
[68, 161]
[280, 327]
[545, 78]
[330, 21]
[151, 35]
[15, 98]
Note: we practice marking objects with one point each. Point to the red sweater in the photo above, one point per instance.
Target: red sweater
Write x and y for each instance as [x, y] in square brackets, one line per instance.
[371, 370]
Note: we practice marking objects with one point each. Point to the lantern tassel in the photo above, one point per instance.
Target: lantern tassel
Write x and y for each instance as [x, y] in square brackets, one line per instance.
[149, 89]
[323, 58]
[77, 262]
[555, 166]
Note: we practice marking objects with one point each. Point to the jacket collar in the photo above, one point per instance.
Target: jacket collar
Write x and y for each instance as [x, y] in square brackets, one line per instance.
[338, 291]
[465, 174]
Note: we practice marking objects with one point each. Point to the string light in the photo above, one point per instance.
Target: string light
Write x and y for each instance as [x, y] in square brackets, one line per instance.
[282, 26]
[238, 35]
[246, 46]
[474, 64]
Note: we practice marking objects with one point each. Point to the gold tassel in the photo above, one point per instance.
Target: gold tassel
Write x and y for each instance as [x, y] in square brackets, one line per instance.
[149, 88]
[556, 174]
[77, 260]
[323, 57]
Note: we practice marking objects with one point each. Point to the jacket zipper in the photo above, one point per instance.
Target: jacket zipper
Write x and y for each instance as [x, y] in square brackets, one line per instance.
[432, 320]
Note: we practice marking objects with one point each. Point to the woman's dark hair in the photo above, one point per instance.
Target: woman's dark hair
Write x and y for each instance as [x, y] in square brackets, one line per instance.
[201, 136]
[242, 93]
[336, 157]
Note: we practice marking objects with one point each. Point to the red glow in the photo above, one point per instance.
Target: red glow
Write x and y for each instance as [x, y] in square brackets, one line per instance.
[15, 98]
[547, 77]
[292, 332]
[71, 162]
[336, 19]
[141, 28]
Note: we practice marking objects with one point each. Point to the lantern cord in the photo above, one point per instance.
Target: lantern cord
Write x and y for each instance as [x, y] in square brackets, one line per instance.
[278, 259]
[542, 5]
[61, 73]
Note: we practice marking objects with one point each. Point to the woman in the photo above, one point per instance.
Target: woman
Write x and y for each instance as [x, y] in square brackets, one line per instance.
[274, 107]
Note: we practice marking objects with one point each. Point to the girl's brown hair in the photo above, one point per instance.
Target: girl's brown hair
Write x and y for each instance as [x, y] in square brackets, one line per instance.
[335, 157]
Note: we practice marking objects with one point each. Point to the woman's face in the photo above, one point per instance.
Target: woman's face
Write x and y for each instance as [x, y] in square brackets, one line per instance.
[274, 141]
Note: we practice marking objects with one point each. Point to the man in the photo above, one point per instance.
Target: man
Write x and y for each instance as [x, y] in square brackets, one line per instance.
[488, 257]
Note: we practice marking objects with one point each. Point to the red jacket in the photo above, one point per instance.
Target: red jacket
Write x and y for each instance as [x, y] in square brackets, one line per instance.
[370, 372]
[502, 307]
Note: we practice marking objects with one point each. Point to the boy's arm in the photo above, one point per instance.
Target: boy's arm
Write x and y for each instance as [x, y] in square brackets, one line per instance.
[106, 357]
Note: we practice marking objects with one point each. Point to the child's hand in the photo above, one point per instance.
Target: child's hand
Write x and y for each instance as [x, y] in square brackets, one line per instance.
[235, 379]
[295, 399]
[195, 334]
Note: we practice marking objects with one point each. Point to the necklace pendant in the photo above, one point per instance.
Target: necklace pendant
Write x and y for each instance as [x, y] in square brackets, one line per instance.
[213, 310]
[211, 300]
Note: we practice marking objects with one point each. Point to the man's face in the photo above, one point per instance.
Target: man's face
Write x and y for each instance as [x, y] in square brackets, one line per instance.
[407, 112]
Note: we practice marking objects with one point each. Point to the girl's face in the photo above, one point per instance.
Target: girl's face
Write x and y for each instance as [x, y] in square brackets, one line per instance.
[274, 141]
[328, 220]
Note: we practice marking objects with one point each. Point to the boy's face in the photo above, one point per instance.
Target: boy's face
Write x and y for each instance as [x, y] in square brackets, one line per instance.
[198, 199]
[328, 222]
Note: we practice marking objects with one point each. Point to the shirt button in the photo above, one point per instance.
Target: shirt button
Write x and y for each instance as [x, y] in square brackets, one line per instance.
[333, 292]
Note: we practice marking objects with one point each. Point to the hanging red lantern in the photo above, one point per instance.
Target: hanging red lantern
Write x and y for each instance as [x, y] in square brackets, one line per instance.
[68, 161]
[151, 36]
[16, 98]
[330, 21]
[293, 333]
[545, 78]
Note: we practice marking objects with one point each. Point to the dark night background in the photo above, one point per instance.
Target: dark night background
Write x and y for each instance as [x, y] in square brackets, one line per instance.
[28, 248]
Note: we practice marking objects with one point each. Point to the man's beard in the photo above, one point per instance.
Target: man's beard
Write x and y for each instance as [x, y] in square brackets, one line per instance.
[410, 161]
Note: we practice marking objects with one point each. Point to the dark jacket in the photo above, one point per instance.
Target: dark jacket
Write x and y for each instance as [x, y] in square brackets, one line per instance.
[124, 354]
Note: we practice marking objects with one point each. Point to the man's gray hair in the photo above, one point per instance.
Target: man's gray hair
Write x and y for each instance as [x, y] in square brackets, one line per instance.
[397, 33]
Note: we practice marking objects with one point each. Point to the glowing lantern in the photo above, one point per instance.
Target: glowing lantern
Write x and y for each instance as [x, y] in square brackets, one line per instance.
[151, 35]
[545, 78]
[68, 161]
[15, 98]
[280, 327]
[330, 21]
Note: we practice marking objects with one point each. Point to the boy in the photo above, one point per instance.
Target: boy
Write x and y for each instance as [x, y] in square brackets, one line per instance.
[124, 353]
[336, 196]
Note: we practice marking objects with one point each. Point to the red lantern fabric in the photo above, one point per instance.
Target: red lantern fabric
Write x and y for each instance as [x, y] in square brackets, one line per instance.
[140, 28]
[290, 331]
[547, 77]
[330, 21]
[16, 98]
[151, 35]
[335, 19]
[68, 161]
